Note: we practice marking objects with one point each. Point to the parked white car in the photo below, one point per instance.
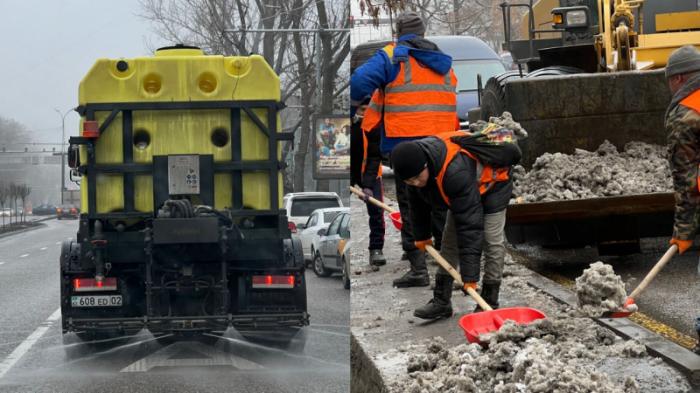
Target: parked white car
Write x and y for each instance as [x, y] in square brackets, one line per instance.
[300, 205]
[319, 219]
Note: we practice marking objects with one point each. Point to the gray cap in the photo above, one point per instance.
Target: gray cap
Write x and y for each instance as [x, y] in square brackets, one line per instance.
[410, 23]
[683, 60]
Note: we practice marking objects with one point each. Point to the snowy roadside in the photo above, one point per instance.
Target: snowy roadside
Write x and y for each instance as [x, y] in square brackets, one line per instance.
[572, 351]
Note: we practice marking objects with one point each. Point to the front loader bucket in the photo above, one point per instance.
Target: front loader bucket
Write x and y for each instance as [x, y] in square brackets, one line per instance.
[564, 112]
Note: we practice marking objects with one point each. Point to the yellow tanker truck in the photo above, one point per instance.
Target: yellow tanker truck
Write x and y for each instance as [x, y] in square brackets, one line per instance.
[181, 229]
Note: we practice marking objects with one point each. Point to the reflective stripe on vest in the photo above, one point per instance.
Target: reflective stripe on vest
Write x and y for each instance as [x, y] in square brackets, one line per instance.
[487, 175]
[419, 102]
[693, 102]
[373, 113]
[365, 145]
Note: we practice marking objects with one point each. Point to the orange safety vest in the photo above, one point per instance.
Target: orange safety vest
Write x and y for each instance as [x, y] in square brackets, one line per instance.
[418, 103]
[373, 113]
[365, 144]
[488, 176]
[693, 102]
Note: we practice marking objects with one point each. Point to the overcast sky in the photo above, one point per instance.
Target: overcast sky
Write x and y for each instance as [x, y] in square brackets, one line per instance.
[48, 46]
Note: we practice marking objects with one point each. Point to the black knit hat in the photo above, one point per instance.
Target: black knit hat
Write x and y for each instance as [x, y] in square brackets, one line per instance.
[410, 23]
[408, 160]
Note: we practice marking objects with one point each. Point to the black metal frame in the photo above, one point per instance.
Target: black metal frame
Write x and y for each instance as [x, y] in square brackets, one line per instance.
[243, 322]
[314, 122]
[235, 167]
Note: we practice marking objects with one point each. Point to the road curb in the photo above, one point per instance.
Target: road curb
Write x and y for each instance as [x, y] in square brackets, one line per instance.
[682, 359]
[365, 376]
[4, 235]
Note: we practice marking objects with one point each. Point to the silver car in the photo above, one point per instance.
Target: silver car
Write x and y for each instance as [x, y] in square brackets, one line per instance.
[331, 242]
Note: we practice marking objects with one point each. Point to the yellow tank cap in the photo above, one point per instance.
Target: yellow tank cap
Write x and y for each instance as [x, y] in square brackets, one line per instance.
[179, 50]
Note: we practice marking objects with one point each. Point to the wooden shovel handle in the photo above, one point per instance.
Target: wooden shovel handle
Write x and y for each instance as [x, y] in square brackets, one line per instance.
[357, 191]
[442, 261]
[446, 265]
[654, 271]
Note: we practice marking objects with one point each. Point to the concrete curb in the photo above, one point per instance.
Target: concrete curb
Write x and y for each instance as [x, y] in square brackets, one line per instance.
[682, 359]
[17, 232]
[365, 376]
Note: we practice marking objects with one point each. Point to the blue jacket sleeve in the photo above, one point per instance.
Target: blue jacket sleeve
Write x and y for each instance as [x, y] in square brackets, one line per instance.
[375, 74]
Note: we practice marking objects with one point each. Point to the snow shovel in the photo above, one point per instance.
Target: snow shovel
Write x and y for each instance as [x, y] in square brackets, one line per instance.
[630, 307]
[394, 215]
[489, 320]
[475, 324]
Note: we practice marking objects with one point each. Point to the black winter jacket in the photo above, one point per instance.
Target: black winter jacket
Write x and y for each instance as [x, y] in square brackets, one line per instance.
[466, 205]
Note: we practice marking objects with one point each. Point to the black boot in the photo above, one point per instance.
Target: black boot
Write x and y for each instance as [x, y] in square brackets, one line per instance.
[376, 258]
[489, 291]
[440, 305]
[418, 275]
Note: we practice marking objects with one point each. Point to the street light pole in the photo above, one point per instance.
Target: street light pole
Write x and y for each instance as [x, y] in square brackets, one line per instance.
[63, 152]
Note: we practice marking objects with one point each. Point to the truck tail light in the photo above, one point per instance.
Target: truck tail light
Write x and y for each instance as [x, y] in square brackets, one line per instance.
[92, 285]
[292, 227]
[91, 129]
[270, 281]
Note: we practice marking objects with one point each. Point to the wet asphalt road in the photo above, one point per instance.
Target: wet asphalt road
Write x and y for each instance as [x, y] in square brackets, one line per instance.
[31, 342]
[673, 298]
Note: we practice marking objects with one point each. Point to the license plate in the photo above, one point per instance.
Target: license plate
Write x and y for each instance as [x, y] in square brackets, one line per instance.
[96, 301]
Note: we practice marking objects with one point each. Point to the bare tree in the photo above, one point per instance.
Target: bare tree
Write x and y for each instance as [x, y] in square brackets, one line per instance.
[12, 131]
[4, 193]
[14, 194]
[23, 191]
[261, 26]
[478, 18]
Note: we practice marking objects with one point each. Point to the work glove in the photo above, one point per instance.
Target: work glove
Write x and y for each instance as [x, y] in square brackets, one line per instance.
[466, 285]
[368, 194]
[683, 245]
[421, 244]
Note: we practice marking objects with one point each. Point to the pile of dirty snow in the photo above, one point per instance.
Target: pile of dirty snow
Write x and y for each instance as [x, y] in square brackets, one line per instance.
[505, 121]
[549, 355]
[641, 168]
[599, 290]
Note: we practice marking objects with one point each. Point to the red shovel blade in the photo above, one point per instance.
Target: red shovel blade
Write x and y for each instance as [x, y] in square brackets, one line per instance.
[628, 309]
[396, 219]
[479, 323]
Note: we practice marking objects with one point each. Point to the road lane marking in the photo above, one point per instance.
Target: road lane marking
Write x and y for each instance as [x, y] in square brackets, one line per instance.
[2, 263]
[323, 331]
[24, 255]
[43, 248]
[28, 343]
[58, 242]
[205, 356]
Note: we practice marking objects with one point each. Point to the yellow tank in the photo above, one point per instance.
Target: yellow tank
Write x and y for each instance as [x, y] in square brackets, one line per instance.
[180, 75]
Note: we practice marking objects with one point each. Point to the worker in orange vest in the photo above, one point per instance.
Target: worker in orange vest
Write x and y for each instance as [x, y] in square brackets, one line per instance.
[413, 95]
[440, 172]
[683, 126]
[362, 145]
